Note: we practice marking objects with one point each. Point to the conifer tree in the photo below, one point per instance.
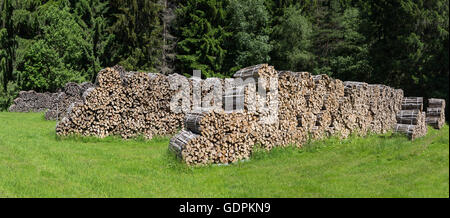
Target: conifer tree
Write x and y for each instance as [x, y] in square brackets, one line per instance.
[93, 15]
[7, 43]
[202, 36]
[137, 34]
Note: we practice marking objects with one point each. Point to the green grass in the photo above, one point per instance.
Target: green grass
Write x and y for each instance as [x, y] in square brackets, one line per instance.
[35, 163]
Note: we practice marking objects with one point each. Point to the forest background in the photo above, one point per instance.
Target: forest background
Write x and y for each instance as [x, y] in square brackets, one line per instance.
[401, 43]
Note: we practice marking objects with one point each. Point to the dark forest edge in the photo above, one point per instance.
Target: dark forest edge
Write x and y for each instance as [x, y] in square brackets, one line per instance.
[401, 43]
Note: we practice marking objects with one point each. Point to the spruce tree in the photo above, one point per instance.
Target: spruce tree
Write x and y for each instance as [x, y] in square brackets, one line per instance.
[201, 36]
[7, 43]
[137, 34]
[93, 17]
[409, 45]
[341, 50]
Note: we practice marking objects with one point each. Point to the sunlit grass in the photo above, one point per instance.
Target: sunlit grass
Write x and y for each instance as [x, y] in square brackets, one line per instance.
[36, 163]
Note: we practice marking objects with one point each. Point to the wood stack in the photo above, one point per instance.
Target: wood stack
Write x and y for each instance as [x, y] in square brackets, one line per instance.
[411, 120]
[266, 108]
[366, 108]
[412, 103]
[309, 108]
[436, 113]
[214, 137]
[126, 104]
[384, 102]
[295, 117]
[307, 105]
[31, 101]
[72, 94]
[179, 142]
[55, 104]
[263, 98]
[228, 134]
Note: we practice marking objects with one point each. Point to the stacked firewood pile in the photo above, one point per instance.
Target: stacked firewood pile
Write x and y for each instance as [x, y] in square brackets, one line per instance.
[308, 107]
[56, 103]
[229, 132]
[266, 110]
[383, 102]
[71, 94]
[436, 113]
[31, 101]
[261, 107]
[123, 103]
[411, 120]
[214, 137]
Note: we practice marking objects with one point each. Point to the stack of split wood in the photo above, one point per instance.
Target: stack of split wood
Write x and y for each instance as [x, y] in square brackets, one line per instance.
[304, 107]
[308, 106]
[214, 137]
[384, 102]
[126, 104]
[411, 120]
[261, 102]
[436, 113]
[56, 103]
[31, 101]
[72, 94]
[259, 107]
[228, 133]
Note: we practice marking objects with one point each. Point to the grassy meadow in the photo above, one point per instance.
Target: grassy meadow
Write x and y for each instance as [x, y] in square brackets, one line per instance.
[34, 162]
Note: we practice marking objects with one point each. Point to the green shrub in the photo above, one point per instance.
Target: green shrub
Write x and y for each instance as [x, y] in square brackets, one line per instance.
[7, 98]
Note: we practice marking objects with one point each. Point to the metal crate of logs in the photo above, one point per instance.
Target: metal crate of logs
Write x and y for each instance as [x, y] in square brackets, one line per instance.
[436, 113]
[411, 119]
